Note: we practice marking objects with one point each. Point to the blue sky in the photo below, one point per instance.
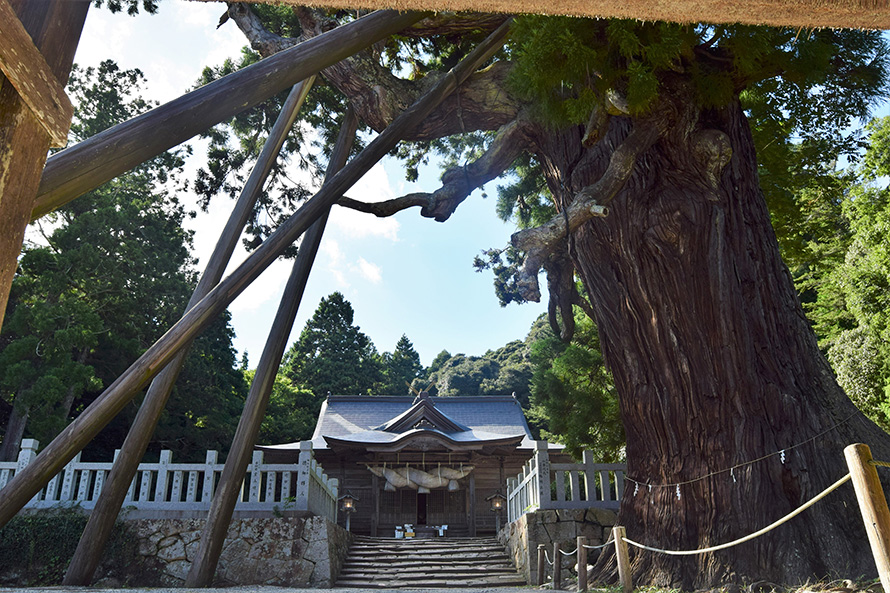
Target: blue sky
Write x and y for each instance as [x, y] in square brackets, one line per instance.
[404, 274]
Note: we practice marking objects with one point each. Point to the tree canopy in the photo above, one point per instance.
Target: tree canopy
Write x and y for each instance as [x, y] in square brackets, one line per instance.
[109, 278]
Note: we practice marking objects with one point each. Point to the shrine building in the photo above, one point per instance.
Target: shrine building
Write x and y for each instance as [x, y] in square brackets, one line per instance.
[432, 463]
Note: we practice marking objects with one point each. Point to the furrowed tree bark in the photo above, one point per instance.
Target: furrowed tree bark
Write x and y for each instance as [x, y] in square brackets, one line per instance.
[101, 522]
[713, 359]
[378, 96]
[77, 434]
[91, 163]
[220, 515]
[55, 28]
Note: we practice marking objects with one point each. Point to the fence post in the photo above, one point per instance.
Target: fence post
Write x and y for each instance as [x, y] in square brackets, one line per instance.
[618, 533]
[27, 454]
[542, 466]
[873, 506]
[542, 564]
[211, 461]
[582, 563]
[304, 464]
[557, 566]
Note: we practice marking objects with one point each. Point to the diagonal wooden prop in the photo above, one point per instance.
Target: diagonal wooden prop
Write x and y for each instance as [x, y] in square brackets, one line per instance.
[76, 435]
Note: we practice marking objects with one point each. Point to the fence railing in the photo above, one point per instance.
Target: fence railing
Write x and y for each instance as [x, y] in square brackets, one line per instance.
[175, 487]
[545, 485]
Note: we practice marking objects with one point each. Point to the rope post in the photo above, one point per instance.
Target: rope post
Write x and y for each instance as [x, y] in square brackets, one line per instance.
[873, 506]
[542, 564]
[557, 566]
[582, 563]
[621, 555]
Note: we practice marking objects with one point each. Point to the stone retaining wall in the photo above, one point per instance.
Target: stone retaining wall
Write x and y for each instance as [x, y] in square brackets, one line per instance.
[288, 551]
[521, 537]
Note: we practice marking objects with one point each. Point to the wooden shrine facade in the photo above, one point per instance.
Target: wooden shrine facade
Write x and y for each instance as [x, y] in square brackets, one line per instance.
[426, 461]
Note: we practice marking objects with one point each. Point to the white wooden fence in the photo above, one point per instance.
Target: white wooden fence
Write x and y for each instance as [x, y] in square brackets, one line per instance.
[167, 488]
[545, 485]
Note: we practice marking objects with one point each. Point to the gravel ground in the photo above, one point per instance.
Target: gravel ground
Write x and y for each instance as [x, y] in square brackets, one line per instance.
[255, 589]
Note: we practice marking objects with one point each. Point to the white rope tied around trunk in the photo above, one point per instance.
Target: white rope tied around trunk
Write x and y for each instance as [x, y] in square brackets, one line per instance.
[769, 527]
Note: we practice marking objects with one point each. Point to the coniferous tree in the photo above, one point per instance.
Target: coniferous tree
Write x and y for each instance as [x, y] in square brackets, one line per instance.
[332, 356]
[110, 279]
[401, 368]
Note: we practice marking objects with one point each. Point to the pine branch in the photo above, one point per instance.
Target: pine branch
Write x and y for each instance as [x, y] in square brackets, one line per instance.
[457, 182]
[541, 241]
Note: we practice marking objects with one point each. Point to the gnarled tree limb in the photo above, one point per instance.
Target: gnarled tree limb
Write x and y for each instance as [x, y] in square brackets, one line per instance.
[541, 241]
[457, 182]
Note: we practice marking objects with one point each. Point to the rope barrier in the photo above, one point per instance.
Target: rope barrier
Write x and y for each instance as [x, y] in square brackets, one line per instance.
[880, 463]
[572, 553]
[601, 546]
[781, 453]
[769, 527]
[547, 557]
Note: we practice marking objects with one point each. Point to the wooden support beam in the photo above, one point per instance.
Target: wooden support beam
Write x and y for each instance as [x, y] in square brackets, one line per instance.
[220, 514]
[27, 70]
[873, 505]
[92, 162]
[55, 27]
[77, 434]
[101, 522]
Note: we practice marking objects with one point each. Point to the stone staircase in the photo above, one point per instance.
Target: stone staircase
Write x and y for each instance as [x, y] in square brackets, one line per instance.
[377, 563]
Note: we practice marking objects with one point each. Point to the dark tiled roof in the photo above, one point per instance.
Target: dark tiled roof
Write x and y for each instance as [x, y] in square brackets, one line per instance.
[345, 415]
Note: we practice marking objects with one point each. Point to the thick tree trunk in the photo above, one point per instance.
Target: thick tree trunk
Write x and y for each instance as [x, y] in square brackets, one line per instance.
[714, 363]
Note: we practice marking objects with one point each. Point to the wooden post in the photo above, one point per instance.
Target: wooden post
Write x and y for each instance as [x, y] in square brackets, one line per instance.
[375, 504]
[220, 515]
[96, 160]
[621, 555]
[542, 564]
[471, 494]
[582, 563]
[557, 566]
[54, 27]
[873, 506]
[101, 522]
[99, 413]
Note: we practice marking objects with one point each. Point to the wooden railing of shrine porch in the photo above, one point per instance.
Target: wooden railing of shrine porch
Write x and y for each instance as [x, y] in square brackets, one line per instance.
[546, 485]
[167, 488]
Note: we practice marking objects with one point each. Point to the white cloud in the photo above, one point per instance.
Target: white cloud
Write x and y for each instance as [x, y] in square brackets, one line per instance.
[265, 289]
[371, 272]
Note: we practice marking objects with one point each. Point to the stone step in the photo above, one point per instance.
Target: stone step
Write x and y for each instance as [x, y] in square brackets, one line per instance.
[427, 563]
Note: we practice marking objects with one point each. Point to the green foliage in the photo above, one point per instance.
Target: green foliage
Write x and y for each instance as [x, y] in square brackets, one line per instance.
[37, 547]
[114, 274]
[236, 144]
[845, 275]
[504, 371]
[332, 356]
[132, 6]
[291, 413]
[401, 368]
[573, 399]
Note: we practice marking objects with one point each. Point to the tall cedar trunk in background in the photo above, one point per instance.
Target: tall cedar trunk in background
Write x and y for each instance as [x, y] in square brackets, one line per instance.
[714, 363]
